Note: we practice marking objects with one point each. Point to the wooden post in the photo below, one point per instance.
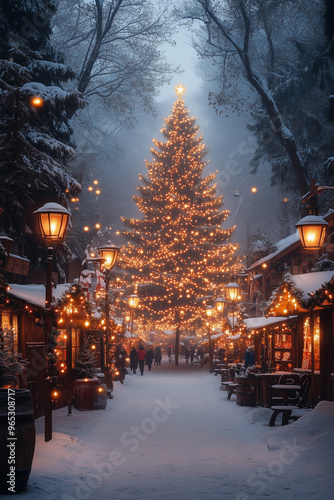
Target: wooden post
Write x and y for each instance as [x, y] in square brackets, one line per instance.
[47, 333]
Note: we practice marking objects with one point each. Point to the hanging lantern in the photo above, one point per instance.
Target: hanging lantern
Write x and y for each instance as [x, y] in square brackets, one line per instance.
[312, 229]
[232, 291]
[52, 221]
[109, 253]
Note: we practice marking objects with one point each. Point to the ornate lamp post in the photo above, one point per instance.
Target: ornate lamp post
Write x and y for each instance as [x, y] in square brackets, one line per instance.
[209, 313]
[133, 302]
[52, 222]
[232, 293]
[109, 253]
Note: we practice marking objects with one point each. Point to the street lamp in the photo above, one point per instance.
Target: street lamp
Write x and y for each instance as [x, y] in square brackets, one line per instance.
[232, 293]
[312, 228]
[219, 304]
[209, 313]
[109, 254]
[52, 222]
[133, 302]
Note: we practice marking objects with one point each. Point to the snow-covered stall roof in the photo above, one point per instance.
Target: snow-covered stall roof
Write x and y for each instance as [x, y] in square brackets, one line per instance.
[35, 294]
[281, 245]
[310, 282]
[262, 322]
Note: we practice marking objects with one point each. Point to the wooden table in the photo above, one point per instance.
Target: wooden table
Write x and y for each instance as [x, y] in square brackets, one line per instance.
[263, 383]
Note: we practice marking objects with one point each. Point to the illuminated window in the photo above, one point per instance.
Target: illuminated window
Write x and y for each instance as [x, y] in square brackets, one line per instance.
[306, 363]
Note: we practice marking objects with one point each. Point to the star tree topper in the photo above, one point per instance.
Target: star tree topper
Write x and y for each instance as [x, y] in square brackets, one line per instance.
[180, 90]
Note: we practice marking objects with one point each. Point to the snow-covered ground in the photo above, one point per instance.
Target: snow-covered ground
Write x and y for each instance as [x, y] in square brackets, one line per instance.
[173, 434]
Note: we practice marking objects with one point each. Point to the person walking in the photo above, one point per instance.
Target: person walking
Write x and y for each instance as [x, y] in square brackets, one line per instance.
[158, 355]
[133, 360]
[141, 354]
[192, 354]
[186, 354]
[121, 362]
[149, 358]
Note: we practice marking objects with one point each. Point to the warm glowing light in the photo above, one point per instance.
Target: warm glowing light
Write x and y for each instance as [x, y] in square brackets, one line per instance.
[312, 230]
[52, 219]
[55, 394]
[254, 189]
[180, 90]
[97, 225]
[109, 253]
[97, 191]
[86, 228]
[90, 188]
[133, 301]
[37, 101]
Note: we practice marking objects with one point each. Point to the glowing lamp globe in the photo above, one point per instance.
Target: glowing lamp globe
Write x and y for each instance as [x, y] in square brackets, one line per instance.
[133, 301]
[109, 253]
[209, 311]
[219, 304]
[232, 291]
[52, 221]
[312, 229]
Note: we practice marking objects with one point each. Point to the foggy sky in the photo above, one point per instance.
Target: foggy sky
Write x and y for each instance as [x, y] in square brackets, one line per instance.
[230, 147]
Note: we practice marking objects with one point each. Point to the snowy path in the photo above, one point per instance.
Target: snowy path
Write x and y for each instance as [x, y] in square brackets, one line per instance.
[173, 434]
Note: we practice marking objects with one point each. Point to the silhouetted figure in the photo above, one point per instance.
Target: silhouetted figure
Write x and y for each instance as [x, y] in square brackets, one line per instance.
[149, 358]
[158, 355]
[133, 360]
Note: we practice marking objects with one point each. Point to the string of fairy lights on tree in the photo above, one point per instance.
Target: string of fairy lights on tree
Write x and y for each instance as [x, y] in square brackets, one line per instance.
[178, 251]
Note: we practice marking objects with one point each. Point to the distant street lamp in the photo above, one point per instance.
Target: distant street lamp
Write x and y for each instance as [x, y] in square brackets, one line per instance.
[232, 294]
[52, 222]
[133, 302]
[209, 313]
[219, 304]
[109, 254]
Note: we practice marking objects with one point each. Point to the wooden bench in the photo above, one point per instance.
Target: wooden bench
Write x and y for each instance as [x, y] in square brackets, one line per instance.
[229, 387]
[286, 414]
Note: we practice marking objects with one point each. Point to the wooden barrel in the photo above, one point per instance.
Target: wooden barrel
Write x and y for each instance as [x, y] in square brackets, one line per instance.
[17, 438]
[246, 391]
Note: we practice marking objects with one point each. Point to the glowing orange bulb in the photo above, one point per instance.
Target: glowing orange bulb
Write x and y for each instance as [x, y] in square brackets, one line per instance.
[254, 189]
[37, 101]
[86, 228]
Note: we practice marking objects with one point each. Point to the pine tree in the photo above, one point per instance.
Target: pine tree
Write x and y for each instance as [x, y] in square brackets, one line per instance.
[36, 136]
[178, 252]
[86, 362]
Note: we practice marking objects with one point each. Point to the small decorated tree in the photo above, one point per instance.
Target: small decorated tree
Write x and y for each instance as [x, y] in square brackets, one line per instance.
[11, 362]
[86, 362]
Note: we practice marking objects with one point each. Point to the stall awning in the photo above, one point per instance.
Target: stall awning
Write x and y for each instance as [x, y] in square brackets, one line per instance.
[262, 322]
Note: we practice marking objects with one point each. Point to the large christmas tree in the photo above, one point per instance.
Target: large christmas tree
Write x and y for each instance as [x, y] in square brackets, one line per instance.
[178, 252]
